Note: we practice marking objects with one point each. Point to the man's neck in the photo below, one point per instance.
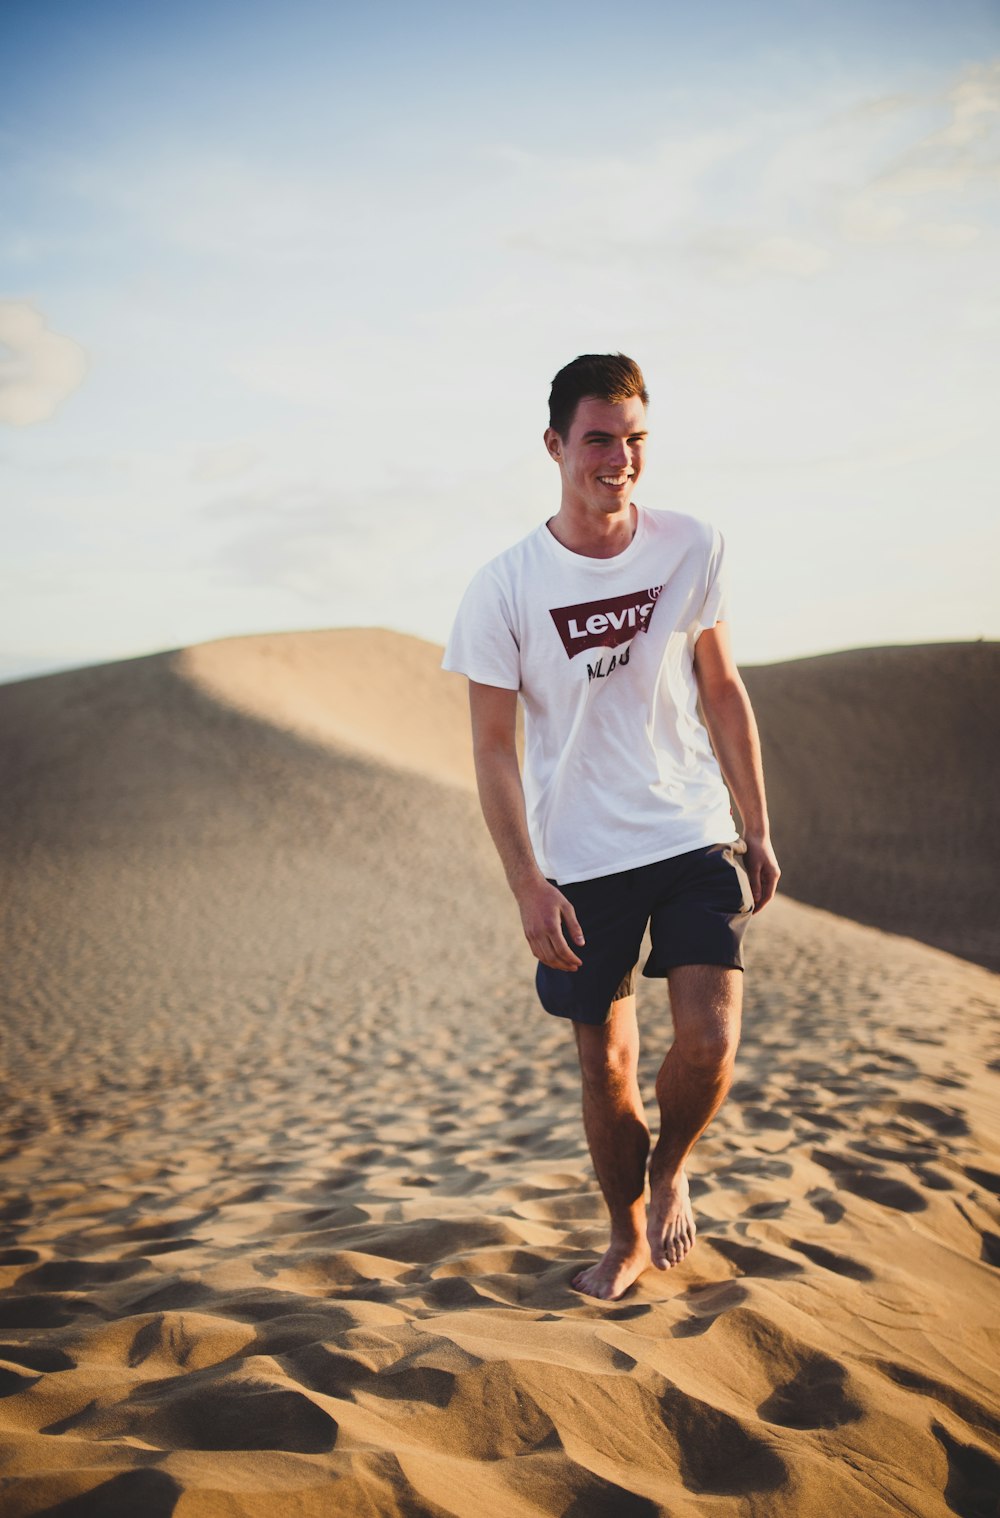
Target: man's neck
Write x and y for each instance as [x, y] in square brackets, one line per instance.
[595, 537]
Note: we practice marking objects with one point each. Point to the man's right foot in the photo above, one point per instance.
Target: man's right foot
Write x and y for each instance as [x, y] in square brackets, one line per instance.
[615, 1272]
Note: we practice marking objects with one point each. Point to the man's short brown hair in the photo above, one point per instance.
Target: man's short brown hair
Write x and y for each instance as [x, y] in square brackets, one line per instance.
[606, 376]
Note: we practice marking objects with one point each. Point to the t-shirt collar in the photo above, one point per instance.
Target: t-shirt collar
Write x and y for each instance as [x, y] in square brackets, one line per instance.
[584, 561]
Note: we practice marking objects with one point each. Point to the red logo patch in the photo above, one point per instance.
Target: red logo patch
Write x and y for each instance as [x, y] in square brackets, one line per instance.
[604, 624]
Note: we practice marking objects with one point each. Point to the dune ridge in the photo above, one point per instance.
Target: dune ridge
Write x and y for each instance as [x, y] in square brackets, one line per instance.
[294, 1180]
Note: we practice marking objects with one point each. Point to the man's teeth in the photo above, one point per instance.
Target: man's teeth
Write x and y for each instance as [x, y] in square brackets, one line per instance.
[614, 479]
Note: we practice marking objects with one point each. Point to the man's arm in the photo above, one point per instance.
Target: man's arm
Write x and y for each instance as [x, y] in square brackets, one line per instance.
[501, 795]
[733, 731]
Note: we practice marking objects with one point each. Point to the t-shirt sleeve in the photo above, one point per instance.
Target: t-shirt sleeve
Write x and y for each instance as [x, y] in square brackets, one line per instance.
[483, 642]
[715, 607]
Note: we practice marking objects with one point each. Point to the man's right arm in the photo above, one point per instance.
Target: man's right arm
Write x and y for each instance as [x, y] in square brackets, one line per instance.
[543, 907]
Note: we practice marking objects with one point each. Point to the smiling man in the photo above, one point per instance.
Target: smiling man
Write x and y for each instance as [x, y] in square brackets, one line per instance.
[608, 621]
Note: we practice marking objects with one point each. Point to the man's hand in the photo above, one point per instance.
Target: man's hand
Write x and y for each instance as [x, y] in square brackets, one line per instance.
[733, 730]
[544, 909]
[762, 869]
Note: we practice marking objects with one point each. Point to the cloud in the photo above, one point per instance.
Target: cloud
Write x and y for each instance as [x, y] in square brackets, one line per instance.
[975, 105]
[224, 462]
[301, 537]
[734, 254]
[951, 163]
[38, 368]
[324, 545]
[687, 204]
[789, 191]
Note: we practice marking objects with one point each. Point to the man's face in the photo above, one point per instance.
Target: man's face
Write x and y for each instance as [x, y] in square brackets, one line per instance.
[602, 456]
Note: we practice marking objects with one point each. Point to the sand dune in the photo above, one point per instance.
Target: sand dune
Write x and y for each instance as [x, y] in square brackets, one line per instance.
[363, 690]
[292, 1170]
[881, 768]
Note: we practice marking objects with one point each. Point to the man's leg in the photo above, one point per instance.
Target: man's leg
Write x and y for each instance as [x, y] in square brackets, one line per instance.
[706, 1002]
[618, 1136]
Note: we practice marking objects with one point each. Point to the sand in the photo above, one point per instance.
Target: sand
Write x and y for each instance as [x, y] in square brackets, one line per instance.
[293, 1176]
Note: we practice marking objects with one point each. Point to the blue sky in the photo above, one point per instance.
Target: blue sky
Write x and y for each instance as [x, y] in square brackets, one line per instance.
[282, 289]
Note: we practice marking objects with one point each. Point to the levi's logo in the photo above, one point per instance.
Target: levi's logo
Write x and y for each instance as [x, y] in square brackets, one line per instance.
[604, 624]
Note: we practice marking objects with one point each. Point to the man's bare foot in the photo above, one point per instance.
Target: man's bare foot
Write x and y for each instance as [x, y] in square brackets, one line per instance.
[671, 1227]
[615, 1272]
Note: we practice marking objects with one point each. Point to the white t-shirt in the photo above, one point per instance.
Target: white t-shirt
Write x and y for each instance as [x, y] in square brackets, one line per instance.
[618, 768]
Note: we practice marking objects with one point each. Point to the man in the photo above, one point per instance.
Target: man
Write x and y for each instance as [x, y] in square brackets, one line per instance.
[609, 622]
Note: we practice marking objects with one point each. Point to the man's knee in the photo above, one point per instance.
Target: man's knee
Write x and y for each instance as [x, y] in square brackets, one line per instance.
[710, 1045]
[706, 1001]
[608, 1053]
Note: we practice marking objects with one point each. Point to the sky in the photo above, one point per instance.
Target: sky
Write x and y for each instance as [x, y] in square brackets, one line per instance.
[283, 288]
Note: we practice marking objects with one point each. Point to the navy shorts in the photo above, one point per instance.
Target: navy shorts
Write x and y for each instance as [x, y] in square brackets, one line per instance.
[697, 906]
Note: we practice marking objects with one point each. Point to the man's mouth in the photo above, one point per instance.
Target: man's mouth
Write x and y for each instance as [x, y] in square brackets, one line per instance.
[615, 481]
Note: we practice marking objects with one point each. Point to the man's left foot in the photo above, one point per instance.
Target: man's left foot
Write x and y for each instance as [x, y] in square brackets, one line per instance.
[671, 1227]
[614, 1273]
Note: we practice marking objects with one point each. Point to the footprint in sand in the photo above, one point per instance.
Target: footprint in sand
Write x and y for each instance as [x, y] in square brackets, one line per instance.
[751, 1261]
[866, 1180]
[815, 1397]
[148, 1491]
[709, 1303]
[973, 1476]
[840, 1264]
[822, 1199]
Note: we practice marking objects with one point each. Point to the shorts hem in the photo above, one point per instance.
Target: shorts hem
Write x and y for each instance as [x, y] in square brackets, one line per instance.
[662, 971]
[597, 1021]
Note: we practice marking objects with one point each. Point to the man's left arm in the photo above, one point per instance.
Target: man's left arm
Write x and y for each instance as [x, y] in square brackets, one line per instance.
[733, 730]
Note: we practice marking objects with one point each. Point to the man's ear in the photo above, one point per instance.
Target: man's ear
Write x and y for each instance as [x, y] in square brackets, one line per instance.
[553, 443]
